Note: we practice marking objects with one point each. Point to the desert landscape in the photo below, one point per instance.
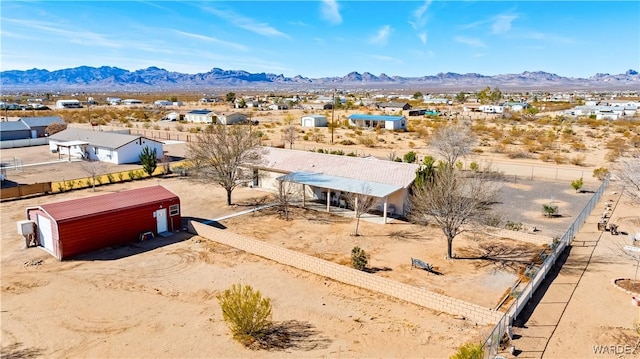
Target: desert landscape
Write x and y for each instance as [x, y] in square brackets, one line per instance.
[158, 298]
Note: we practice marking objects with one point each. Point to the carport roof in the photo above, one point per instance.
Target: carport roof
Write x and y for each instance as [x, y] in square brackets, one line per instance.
[342, 184]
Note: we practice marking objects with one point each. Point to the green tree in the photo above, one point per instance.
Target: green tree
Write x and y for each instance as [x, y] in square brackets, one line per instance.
[601, 173]
[495, 95]
[417, 96]
[149, 160]
[173, 98]
[246, 312]
[242, 103]
[359, 258]
[230, 96]
[409, 157]
[426, 172]
[461, 97]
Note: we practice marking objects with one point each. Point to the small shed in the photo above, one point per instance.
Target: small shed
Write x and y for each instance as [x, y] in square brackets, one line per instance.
[68, 228]
[314, 121]
[14, 130]
[40, 124]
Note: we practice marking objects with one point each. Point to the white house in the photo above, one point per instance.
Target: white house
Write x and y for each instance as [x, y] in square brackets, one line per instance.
[163, 103]
[68, 104]
[229, 118]
[112, 147]
[131, 101]
[314, 121]
[378, 121]
[327, 178]
[278, 106]
[113, 101]
[491, 109]
[199, 116]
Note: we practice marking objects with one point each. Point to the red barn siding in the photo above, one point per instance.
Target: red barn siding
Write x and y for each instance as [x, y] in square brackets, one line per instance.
[76, 231]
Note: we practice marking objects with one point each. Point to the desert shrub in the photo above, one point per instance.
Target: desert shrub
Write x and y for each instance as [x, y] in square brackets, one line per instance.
[412, 144]
[246, 312]
[474, 166]
[459, 165]
[612, 155]
[601, 173]
[578, 160]
[559, 158]
[337, 152]
[71, 184]
[513, 226]
[518, 154]
[179, 127]
[368, 141]
[359, 258]
[469, 351]
[121, 176]
[98, 180]
[409, 157]
[62, 187]
[347, 143]
[110, 178]
[545, 156]
[549, 209]
[320, 150]
[578, 146]
[577, 184]
[351, 154]
[132, 174]
[146, 125]
[305, 137]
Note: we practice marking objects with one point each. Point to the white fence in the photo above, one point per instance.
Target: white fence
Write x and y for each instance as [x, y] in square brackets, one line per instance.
[24, 143]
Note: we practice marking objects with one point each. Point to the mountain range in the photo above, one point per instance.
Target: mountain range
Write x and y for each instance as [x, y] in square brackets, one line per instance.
[108, 78]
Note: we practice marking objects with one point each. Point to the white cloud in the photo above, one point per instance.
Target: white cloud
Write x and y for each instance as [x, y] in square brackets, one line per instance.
[382, 36]
[75, 36]
[418, 19]
[386, 58]
[502, 23]
[212, 39]
[541, 36]
[473, 42]
[330, 11]
[423, 37]
[246, 23]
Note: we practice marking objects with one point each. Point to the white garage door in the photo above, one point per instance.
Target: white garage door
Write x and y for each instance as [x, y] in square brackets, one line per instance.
[44, 233]
[308, 122]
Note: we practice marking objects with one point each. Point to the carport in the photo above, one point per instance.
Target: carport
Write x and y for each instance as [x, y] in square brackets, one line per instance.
[336, 185]
[68, 145]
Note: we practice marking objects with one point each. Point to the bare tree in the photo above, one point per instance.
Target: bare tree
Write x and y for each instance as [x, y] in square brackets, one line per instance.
[629, 175]
[93, 168]
[289, 132]
[361, 201]
[287, 193]
[453, 142]
[453, 199]
[225, 155]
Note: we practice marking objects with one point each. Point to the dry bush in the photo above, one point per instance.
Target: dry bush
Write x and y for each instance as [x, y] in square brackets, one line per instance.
[578, 160]
[518, 154]
[578, 146]
[559, 158]
[545, 156]
[368, 140]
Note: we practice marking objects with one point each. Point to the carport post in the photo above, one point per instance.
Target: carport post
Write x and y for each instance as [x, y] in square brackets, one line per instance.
[303, 196]
[384, 210]
[328, 198]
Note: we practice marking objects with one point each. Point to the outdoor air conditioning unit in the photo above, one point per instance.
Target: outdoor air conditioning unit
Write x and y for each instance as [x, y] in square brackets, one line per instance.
[26, 227]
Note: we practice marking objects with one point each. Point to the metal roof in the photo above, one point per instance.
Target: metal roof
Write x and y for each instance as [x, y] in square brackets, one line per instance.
[91, 206]
[357, 116]
[199, 112]
[14, 126]
[102, 139]
[343, 184]
[368, 169]
[41, 121]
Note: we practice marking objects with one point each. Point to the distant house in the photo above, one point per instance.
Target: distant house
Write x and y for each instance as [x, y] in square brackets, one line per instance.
[378, 121]
[60, 104]
[515, 106]
[199, 116]
[278, 106]
[229, 118]
[163, 103]
[491, 108]
[314, 121]
[112, 147]
[27, 127]
[423, 112]
[394, 106]
[131, 101]
[113, 101]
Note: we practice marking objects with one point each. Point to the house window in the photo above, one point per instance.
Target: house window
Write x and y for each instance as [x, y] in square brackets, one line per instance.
[174, 210]
[95, 150]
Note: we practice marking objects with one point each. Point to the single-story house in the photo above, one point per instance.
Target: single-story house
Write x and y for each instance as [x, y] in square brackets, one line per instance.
[515, 106]
[230, 118]
[162, 103]
[314, 121]
[27, 127]
[69, 228]
[199, 116]
[491, 109]
[131, 101]
[394, 106]
[326, 178]
[378, 121]
[112, 147]
[278, 106]
[68, 104]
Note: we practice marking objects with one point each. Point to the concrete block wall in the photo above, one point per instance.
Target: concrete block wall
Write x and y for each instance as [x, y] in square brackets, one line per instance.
[344, 274]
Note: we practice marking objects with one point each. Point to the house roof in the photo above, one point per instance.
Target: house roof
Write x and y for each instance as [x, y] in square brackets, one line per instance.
[317, 117]
[41, 121]
[199, 112]
[103, 139]
[369, 169]
[357, 116]
[91, 206]
[13, 126]
[393, 104]
[343, 184]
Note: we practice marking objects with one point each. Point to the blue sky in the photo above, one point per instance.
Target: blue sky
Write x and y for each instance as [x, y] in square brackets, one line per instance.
[325, 38]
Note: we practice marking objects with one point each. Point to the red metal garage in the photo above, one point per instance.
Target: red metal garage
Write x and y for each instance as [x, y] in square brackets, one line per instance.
[68, 228]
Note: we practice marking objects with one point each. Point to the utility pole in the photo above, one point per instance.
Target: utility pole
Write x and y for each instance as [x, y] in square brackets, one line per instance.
[333, 111]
